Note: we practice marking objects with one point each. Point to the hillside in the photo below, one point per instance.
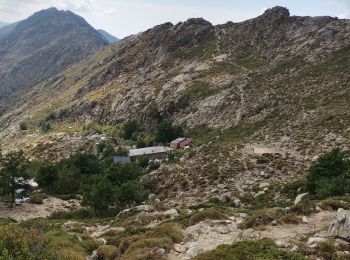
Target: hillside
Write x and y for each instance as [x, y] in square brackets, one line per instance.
[109, 37]
[42, 46]
[276, 81]
[265, 102]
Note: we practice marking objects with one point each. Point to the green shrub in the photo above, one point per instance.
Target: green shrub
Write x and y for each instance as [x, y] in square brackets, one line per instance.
[82, 213]
[64, 246]
[20, 243]
[327, 251]
[166, 132]
[170, 230]
[7, 221]
[130, 130]
[305, 207]
[292, 189]
[334, 204]
[330, 175]
[262, 217]
[23, 126]
[207, 214]
[290, 218]
[142, 247]
[36, 197]
[264, 249]
[42, 224]
[90, 244]
[107, 252]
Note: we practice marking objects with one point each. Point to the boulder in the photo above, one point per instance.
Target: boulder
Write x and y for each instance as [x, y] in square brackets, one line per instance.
[340, 226]
[299, 198]
[194, 250]
[315, 240]
[260, 193]
[248, 234]
[180, 248]
[171, 212]
[264, 185]
[237, 203]
[305, 220]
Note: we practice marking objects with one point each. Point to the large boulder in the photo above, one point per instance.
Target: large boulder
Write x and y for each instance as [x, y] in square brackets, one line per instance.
[299, 198]
[340, 226]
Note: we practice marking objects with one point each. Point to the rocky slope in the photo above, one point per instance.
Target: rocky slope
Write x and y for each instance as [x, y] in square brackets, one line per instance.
[42, 46]
[276, 81]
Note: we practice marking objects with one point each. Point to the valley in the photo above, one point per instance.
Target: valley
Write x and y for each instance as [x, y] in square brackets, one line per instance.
[264, 106]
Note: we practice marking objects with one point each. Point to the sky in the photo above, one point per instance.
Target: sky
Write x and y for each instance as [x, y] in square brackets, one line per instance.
[123, 18]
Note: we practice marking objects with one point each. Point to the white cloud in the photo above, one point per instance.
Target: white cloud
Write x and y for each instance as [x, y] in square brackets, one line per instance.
[73, 5]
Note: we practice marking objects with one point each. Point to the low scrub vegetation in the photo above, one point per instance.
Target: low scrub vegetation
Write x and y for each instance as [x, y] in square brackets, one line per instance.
[207, 214]
[264, 249]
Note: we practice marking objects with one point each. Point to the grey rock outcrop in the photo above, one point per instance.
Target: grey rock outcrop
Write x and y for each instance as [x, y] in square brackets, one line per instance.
[340, 226]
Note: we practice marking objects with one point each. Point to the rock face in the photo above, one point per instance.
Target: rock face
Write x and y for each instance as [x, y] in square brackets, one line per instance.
[340, 226]
[42, 46]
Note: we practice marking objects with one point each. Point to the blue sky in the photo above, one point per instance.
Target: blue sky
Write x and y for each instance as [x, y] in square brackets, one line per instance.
[123, 18]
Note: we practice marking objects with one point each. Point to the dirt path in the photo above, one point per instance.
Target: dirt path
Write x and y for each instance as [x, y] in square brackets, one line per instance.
[28, 211]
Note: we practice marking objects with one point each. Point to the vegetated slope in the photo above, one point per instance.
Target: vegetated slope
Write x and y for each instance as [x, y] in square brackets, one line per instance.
[41, 46]
[107, 36]
[276, 80]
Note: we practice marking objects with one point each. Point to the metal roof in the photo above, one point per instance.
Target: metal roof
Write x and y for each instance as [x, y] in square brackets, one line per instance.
[148, 150]
[121, 159]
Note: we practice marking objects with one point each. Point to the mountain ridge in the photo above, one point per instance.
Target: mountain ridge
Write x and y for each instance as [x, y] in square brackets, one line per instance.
[51, 39]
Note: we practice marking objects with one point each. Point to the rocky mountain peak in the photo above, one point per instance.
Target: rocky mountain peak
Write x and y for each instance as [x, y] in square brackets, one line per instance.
[51, 39]
[277, 11]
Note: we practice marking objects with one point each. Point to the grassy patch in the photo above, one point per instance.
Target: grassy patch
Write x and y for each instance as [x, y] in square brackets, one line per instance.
[335, 203]
[170, 230]
[144, 248]
[64, 246]
[107, 252]
[264, 249]
[202, 134]
[199, 90]
[207, 214]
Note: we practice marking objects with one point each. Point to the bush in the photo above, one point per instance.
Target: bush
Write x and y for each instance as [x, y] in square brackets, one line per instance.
[305, 207]
[166, 132]
[130, 129]
[207, 214]
[107, 252]
[261, 249]
[20, 243]
[170, 230]
[45, 126]
[290, 218]
[7, 221]
[82, 213]
[292, 189]
[330, 175]
[334, 204]
[23, 126]
[64, 246]
[262, 217]
[36, 197]
[142, 248]
[131, 192]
